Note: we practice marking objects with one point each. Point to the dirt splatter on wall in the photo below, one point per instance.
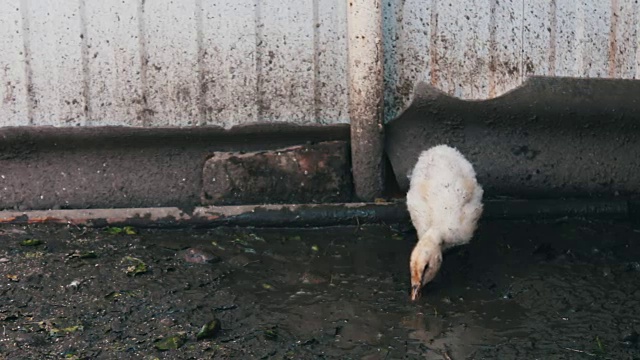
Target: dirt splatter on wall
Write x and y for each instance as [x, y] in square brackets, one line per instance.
[231, 62]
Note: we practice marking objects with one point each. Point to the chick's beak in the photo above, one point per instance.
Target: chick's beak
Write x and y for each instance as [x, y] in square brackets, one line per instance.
[415, 292]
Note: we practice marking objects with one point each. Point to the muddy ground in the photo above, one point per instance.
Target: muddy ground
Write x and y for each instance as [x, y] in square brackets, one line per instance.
[567, 289]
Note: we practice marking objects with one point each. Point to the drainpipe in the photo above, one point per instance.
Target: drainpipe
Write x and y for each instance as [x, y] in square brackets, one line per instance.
[364, 28]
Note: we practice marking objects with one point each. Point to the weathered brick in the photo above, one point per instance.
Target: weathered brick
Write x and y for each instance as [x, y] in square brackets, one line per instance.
[311, 173]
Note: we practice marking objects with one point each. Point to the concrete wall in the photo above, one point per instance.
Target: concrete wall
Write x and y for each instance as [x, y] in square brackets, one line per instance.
[550, 138]
[229, 62]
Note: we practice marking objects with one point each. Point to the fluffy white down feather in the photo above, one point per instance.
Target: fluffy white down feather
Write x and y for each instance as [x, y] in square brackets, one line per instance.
[444, 196]
[445, 203]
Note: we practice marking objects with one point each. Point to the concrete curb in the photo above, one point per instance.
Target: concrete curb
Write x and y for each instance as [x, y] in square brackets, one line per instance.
[115, 167]
[308, 215]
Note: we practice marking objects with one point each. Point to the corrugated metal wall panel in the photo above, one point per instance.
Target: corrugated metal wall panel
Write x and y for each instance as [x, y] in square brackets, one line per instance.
[114, 63]
[286, 61]
[331, 101]
[14, 106]
[480, 49]
[54, 56]
[229, 62]
[172, 63]
[228, 70]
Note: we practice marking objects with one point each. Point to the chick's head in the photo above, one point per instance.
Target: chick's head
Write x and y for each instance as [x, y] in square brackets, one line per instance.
[425, 262]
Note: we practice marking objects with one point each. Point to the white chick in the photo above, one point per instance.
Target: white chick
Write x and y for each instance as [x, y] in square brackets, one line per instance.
[445, 203]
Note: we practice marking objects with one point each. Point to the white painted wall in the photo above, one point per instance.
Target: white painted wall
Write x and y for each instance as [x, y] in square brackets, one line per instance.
[229, 62]
[480, 49]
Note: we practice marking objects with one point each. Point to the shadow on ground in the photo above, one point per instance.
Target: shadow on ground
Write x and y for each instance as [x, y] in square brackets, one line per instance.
[566, 289]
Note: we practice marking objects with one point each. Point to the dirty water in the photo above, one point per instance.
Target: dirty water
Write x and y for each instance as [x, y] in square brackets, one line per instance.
[566, 289]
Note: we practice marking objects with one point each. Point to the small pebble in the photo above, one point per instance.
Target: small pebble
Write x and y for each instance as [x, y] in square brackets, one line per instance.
[239, 261]
[309, 278]
[631, 339]
[633, 266]
[4, 260]
[30, 339]
[23, 338]
[199, 256]
[167, 322]
[74, 284]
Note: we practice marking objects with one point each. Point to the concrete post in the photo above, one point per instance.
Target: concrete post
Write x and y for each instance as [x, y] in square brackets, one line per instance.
[364, 19]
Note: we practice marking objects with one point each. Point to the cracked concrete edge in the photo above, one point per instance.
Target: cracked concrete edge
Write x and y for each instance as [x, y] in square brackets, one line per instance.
[316, 215]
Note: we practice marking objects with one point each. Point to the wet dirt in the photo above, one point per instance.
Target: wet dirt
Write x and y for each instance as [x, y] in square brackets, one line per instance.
[566, 289]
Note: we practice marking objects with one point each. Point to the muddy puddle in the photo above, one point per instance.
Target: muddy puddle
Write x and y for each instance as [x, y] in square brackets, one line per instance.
[566, 289]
